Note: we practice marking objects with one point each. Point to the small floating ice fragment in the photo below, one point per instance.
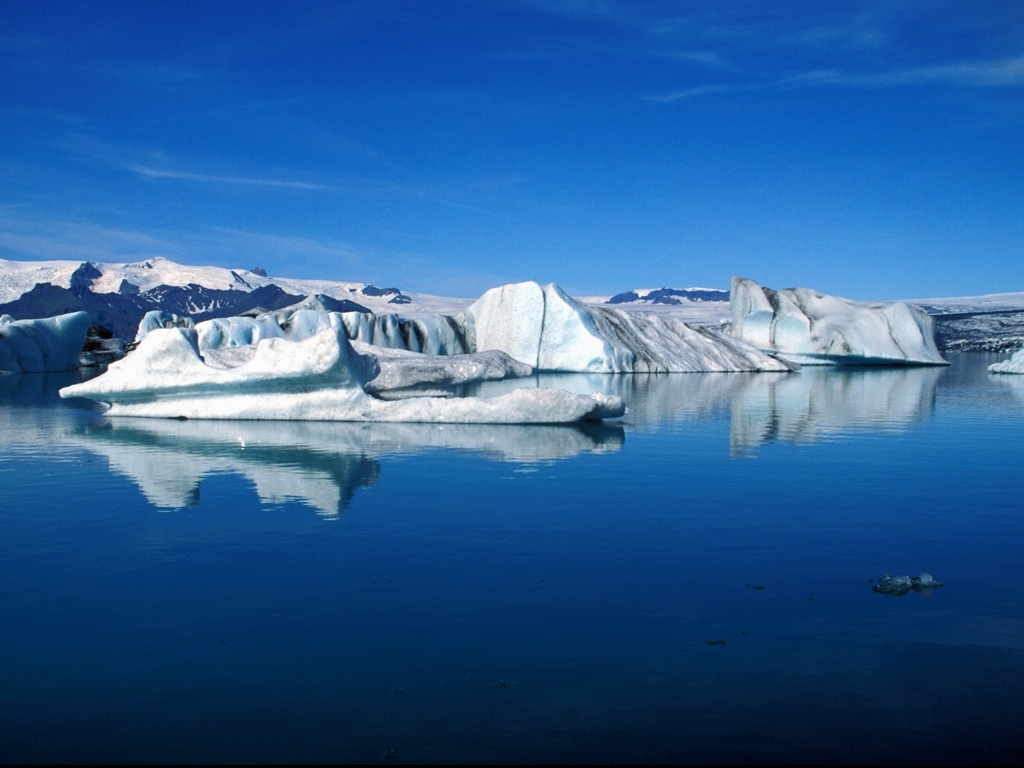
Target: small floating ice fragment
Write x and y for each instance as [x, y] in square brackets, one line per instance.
[898, 586]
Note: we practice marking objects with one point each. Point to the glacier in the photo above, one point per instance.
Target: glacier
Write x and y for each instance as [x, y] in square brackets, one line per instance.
[320, 378]
[47, 344]
[811, 328]
[1014, 365]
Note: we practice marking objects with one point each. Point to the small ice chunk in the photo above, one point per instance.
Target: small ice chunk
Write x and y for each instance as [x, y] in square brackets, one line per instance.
[898, 586]
[1014, 365]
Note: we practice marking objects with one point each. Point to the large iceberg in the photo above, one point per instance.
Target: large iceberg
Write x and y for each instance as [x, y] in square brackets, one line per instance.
[1014, 365]
[46, 344]
[540, 327]
[550, 331]
[811, 328]
[320, 378]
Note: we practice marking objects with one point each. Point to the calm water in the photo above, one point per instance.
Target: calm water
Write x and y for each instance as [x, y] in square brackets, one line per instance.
[186, 591]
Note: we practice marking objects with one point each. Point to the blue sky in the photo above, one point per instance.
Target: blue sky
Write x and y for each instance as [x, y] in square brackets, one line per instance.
[873, 150]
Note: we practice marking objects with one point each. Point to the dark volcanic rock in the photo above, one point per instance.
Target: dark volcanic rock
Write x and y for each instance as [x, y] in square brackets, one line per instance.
[372, 290]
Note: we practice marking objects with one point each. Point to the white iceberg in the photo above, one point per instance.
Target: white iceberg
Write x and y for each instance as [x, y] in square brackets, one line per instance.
[540, 327]
[160, 319]
[1014, 365]
[429, 334]
[811, 328]
[46, 344]
[550, 331]
[319, 379]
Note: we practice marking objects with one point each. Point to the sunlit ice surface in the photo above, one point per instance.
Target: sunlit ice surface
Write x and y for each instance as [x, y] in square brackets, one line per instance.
[692, 582]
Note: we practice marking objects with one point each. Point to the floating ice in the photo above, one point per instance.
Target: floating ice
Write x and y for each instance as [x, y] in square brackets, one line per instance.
[811, 328]
[1014, 365]
[430, 334]
[47, 344]
[320, 378]
[898, 586]
[538, 326]
[160, 319]
[547, 329]
[411, 374]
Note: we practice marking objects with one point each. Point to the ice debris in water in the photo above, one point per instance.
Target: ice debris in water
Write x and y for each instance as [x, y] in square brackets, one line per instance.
[898, 586]
[1014, 365]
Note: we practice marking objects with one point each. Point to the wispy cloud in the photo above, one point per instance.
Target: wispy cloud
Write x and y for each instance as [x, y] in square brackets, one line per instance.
[980, 74]
[206, 178]
[685, 93]
[27, 234]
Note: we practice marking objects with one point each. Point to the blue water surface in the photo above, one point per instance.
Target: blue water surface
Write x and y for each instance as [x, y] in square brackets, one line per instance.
[691, 583]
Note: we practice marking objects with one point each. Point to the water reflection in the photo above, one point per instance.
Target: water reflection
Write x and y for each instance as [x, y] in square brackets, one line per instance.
[764, 407]
[321, 464]
[817, 404]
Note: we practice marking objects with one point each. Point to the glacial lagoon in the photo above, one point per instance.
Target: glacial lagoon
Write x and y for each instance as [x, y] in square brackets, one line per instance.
[689, 583]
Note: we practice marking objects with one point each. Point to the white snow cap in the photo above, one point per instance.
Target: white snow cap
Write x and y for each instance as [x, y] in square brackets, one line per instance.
[811, 328]
[318, 379]
[47, 344]
[1014, 365]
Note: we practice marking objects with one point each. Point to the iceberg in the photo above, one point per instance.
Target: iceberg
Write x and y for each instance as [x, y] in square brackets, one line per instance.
[320, 378]
[160, 319]
[46, 344]
[811, 328]
[1014, 365]
[550, 331]
[429, 334]
[412, 374]
[540, 327]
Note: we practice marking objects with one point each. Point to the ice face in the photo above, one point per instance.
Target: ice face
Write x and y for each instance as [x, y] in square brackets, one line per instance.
[811, 328]
[1014, 365]
[47, 344]
[318, 379]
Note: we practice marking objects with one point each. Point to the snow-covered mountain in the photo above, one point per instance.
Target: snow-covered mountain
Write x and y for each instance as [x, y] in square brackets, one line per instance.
[19, 277]
[119, 295]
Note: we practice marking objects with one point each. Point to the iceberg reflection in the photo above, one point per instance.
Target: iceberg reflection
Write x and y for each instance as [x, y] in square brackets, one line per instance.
[319, 463]
[811, 405]
[818, 404]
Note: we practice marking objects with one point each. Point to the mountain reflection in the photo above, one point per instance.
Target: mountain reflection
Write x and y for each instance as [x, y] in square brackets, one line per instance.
[319, 463]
